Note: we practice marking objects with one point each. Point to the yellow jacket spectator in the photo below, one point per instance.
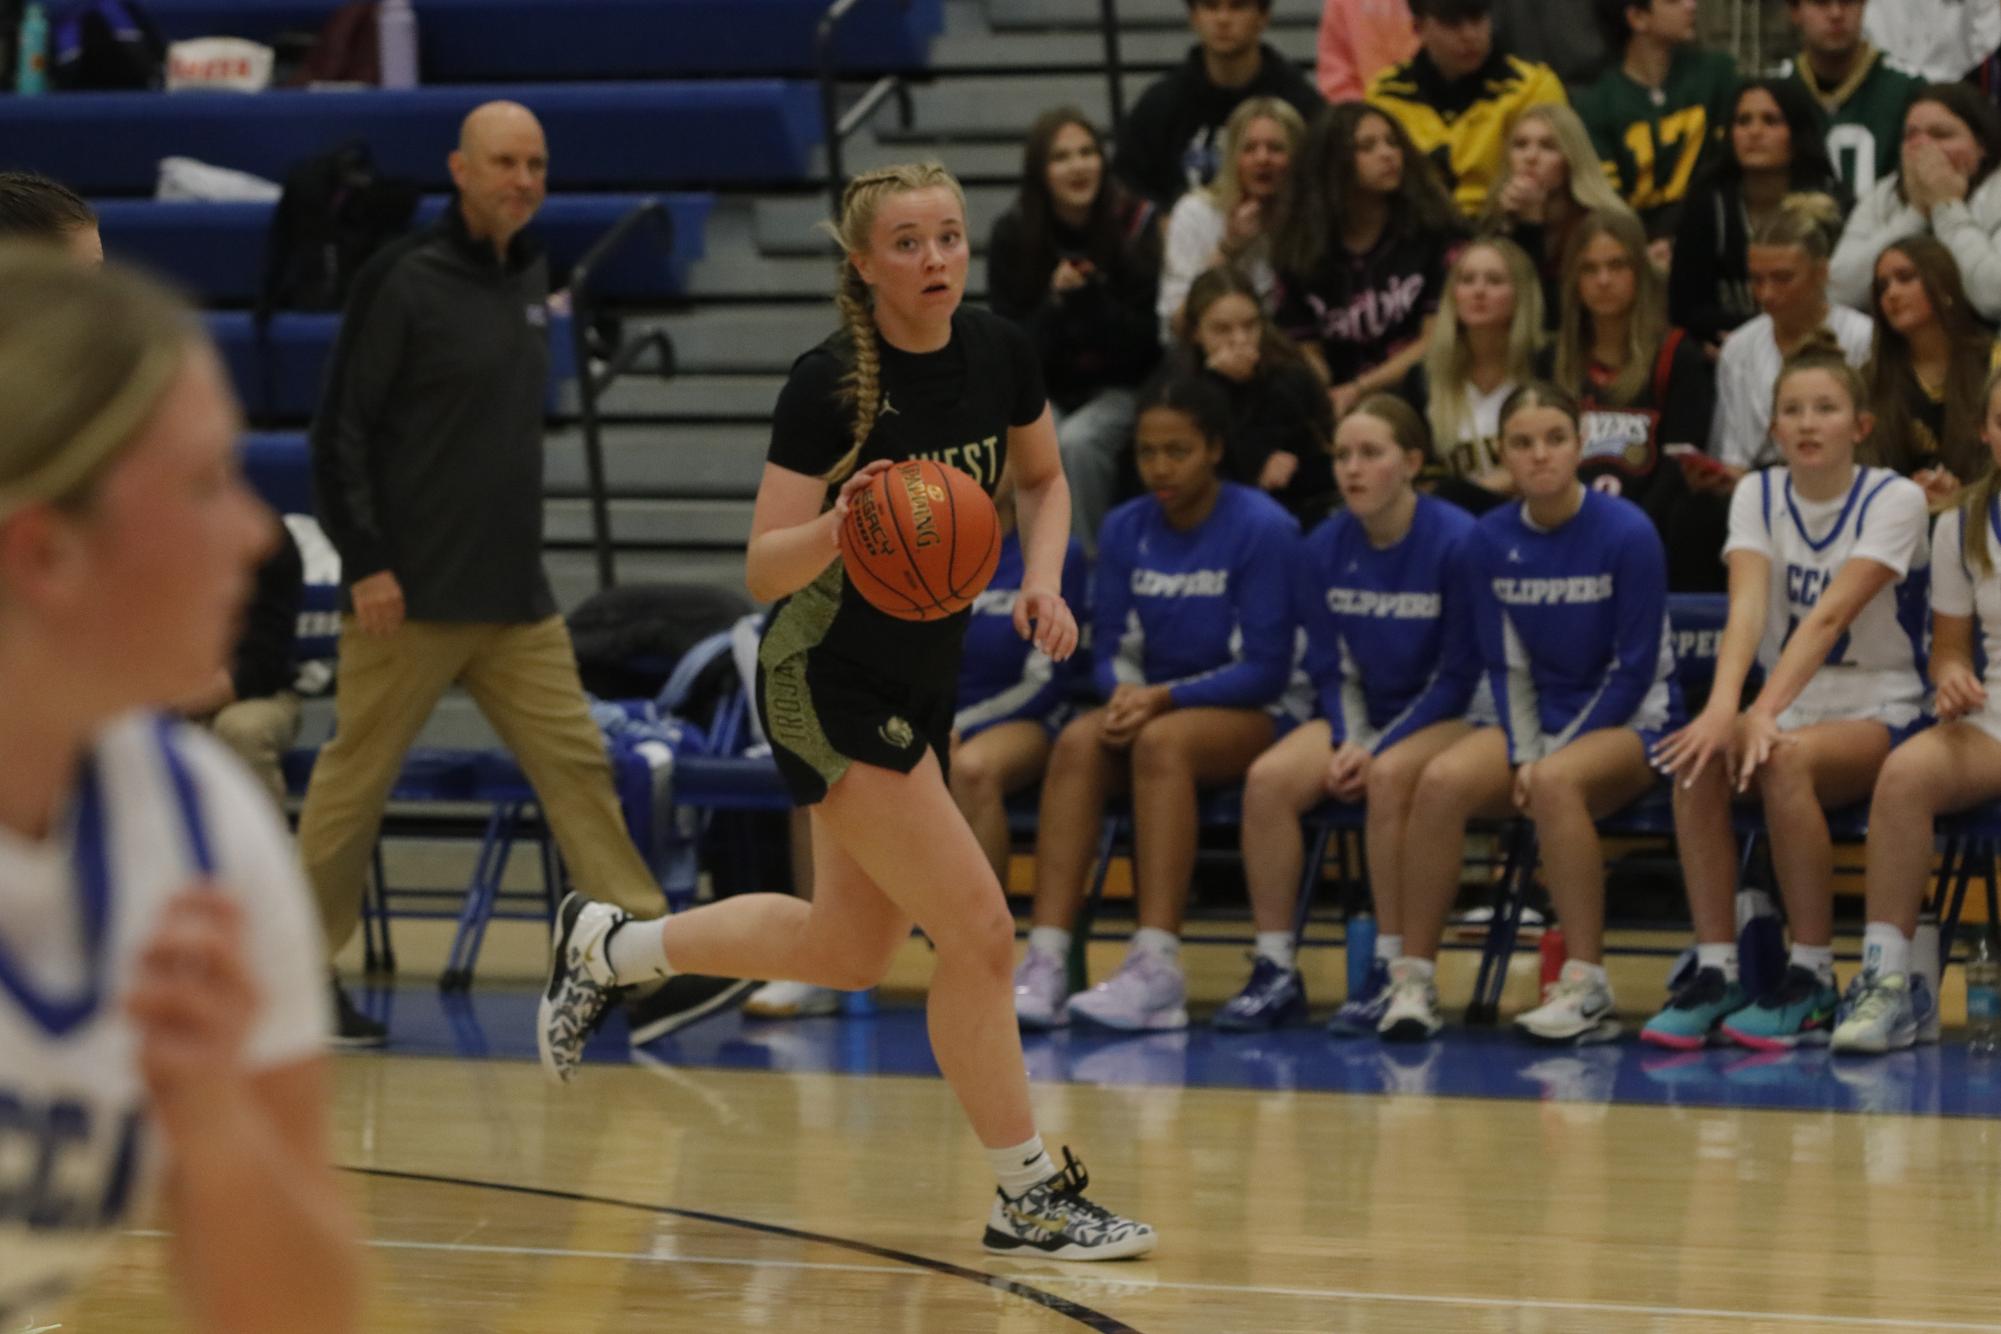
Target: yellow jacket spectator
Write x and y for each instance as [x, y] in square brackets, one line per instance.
[1458, 95]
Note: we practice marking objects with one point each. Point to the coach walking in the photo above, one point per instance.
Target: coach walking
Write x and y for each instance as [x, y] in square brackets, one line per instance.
[427, 469]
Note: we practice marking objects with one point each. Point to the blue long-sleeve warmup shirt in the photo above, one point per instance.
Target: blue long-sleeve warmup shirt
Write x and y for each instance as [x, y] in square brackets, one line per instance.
[1572, 623]
[1207, 612]
[1390, 641]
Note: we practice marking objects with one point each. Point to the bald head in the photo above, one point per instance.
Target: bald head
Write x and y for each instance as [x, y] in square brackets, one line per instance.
[496, 120]
[501, 169]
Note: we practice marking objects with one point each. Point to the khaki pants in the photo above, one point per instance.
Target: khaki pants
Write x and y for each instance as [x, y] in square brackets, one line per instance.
[260, 731]
[524, 679]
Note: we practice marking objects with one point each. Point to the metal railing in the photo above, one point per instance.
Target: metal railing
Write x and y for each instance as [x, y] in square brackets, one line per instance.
[838, 127]
[1114, 70]
[591, 382]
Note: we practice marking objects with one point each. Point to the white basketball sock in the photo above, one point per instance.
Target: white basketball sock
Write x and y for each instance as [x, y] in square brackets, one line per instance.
[637, 951]
[1052, 942]
[1885, 950]
[1276, 946]
[1718, 956]
[1022, 1166]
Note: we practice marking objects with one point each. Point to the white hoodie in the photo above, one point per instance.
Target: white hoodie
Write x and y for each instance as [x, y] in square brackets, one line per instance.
[1971, 230]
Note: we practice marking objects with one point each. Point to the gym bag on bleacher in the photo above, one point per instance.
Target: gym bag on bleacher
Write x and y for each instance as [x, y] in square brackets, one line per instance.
[105, 44]
[335, 212]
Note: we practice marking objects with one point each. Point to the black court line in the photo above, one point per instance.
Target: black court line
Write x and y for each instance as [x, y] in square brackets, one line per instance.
[1063, 1306]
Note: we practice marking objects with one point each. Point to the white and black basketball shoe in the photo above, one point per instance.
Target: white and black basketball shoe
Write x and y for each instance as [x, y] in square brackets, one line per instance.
[581, 985]
[1053, 1220]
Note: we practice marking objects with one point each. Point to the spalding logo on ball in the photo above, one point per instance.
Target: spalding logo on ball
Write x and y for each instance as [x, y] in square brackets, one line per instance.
[921, 540]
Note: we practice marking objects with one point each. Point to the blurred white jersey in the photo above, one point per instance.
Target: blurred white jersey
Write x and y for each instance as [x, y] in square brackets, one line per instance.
[1876, 669]
[157, 807]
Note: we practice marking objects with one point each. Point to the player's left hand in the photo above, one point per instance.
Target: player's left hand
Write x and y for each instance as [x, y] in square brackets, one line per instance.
[1042, 616]
[1758, 737]
[1524, 789]
[193, 999]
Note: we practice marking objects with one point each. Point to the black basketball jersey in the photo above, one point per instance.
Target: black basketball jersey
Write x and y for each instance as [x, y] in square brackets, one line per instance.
[954, 406]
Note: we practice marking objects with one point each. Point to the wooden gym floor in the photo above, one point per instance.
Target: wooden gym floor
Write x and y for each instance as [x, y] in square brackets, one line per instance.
[815, 1175]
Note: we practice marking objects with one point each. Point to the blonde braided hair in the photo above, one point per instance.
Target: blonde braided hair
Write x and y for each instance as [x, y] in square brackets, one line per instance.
[862, 385]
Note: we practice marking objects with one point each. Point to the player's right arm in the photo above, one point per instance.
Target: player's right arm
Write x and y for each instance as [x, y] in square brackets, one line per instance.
[791, 539]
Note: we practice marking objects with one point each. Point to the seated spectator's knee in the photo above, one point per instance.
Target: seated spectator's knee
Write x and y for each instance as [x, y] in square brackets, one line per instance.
[1904, 787]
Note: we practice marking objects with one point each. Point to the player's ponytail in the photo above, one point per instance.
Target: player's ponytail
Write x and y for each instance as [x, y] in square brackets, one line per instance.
[85, 356]
[862, 385]
[1976, 498]
[1822, 352]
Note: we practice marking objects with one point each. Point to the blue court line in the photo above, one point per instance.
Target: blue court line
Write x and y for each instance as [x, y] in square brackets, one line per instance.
[1941, 1080]
[1063, 1306]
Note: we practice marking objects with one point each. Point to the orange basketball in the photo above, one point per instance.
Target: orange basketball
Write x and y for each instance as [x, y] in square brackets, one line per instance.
[921, 540]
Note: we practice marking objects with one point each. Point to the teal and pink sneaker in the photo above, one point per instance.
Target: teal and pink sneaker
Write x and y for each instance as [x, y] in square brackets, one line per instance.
[1800, 1013]
[1690, 1018]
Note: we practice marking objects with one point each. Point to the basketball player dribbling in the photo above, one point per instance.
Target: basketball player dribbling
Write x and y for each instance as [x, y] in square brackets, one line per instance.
[161, 1000]
[858, 705]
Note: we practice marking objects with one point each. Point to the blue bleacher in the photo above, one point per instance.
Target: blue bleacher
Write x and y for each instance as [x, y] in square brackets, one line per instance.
[614, 136]
[469, 41]
[216, 251]
[283, 379]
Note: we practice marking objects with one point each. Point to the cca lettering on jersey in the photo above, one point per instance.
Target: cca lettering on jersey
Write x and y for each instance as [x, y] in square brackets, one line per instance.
[59, 1170]
[1192, 584]
[1804, 584]
[1551, 592]
[1384, 606]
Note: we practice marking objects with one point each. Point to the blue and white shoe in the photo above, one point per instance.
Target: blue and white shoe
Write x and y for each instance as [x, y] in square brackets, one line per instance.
[1275, 997]
[1055, 1221]
[1146, 994]
[1362, 1014]
[1880, 1014]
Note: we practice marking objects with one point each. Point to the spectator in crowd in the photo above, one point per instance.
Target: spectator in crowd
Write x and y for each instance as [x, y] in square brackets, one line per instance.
[1788, 262]
[1647, 389]
[1193, 644]
[1583, 683]
[1553, 180]
[35, 208]
[1280, 422]
[1481, 349]
[1928, 371]
[1358, 40]
[1656, 111]
[1457, 96]
[1393, 691]
[1861, 94]
[250, 705]
[1774, 149]
[1229, 221]
[1939, 40]
[1946, 187]
[1361, 245]
[1012, 698]
[1556, 33]
[1075, 262]
[427, 462]
[1823, 602]
[1168, 145]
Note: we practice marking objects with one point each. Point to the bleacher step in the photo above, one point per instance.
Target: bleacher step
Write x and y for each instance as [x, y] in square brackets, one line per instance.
[653, 523]
[1085, 14]
[786, 225]
[704, 460]
[695, 397]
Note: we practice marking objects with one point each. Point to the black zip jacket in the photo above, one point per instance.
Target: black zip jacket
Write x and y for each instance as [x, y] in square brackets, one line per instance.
[427, 450]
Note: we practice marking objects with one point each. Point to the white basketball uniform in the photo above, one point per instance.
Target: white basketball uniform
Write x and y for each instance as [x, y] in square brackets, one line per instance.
[1958, 591]
[1874, 671]
[156, 807]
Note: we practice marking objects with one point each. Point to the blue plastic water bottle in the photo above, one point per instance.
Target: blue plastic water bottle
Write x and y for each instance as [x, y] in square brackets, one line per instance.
[1361, 951]
[31, 74]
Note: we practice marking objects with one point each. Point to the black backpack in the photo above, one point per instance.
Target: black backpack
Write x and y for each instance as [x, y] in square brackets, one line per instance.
[335, 212]
[105, 44]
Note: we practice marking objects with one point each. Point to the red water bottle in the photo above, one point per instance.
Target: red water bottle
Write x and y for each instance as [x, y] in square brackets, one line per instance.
[1553, 956]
